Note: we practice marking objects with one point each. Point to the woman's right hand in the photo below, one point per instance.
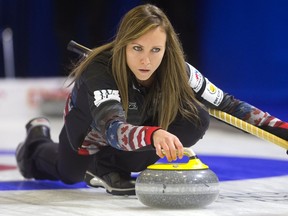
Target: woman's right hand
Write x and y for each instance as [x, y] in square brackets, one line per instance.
[167, 144]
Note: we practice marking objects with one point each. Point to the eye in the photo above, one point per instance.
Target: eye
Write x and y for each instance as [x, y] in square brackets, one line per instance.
[155, 50]
[137, 48]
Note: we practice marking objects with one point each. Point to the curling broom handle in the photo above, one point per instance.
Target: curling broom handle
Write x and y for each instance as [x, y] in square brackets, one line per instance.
[247, 127]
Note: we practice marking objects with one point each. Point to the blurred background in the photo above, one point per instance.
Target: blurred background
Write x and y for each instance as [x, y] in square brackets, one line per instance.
[241, 46]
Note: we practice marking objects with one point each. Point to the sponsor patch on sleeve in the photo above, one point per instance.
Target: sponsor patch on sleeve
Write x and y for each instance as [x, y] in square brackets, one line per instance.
[196, 78]
[212, 94]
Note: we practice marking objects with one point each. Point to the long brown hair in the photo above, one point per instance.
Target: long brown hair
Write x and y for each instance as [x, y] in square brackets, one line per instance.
[171, 91]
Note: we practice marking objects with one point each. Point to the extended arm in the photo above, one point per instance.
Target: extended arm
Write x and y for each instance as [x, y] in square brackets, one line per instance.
[213, 97]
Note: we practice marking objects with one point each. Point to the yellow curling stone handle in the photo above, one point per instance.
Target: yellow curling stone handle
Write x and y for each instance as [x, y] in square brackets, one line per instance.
[193, 164]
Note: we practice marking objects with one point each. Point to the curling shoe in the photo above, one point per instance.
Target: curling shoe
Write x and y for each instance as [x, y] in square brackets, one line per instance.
[38, 130]
[113, 182]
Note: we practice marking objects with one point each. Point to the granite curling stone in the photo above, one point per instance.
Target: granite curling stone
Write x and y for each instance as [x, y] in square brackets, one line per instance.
[178, 185]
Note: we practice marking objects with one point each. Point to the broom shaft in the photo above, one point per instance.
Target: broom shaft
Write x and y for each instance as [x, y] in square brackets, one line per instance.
[247, 127]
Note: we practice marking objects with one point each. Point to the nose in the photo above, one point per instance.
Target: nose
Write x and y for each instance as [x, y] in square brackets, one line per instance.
[145, 61]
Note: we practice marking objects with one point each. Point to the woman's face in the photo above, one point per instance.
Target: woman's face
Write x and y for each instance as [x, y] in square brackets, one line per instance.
[144, 55]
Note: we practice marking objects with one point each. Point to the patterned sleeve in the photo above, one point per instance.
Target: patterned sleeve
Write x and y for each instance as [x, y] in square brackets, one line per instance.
[128, 137]
[213, 97]
[110, 126]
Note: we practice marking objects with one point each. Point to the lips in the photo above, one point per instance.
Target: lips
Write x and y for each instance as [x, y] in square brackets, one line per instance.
[144, 70]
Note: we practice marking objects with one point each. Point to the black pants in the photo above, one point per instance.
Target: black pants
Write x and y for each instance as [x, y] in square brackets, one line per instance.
[59, 162]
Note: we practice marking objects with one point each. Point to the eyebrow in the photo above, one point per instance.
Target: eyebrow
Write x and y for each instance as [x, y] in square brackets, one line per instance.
[133, 43]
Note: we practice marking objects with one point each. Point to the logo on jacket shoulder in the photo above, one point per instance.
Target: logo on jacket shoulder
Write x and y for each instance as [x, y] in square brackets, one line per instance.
[101, 96]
